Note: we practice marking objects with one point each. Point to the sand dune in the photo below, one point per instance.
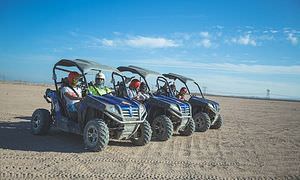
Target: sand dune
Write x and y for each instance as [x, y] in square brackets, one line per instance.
[259, 139]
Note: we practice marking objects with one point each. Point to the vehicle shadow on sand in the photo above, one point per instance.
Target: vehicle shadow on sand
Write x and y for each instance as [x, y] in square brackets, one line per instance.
[17, 136]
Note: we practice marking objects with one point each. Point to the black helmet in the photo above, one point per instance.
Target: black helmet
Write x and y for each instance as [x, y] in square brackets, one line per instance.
[143, 87]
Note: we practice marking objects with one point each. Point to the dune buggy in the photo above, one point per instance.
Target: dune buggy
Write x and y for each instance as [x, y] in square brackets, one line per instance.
[165, 114]
[99, 117]
[206, 113]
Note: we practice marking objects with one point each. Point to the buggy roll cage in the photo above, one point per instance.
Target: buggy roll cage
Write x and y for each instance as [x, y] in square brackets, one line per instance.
[84, 66]
[184, 80]
[65, 70]
[142, 72]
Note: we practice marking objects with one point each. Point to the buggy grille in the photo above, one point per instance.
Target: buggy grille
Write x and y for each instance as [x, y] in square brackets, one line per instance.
[185, 111]
[130, 112]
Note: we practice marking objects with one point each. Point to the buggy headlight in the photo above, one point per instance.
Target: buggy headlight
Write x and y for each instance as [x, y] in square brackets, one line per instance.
[112, 109]
[142, 108]
[174, 107]
[211, 106]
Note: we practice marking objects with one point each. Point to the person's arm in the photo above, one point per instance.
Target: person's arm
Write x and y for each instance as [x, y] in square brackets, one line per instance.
[72, 95]
[107, 89]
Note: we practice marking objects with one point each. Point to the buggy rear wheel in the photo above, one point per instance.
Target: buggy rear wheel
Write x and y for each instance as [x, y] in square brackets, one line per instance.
[143, 134]
[189, 128]
[40, 121]
[202, 122]
[218, 123]
[96, 135]
[162, 128]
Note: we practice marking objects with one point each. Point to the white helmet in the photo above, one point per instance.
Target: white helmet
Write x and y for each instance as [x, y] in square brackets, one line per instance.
[100, 75]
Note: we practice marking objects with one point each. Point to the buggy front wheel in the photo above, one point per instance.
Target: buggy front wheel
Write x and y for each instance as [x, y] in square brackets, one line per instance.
[218, 123]
[96, 135]
[162, 128]
[143, 134]
[189, 128]
[202, 121]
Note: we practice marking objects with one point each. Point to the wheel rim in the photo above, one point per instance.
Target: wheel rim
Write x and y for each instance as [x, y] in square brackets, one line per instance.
[158, 128]
[36, 122]
[200, 122]
[92, 135]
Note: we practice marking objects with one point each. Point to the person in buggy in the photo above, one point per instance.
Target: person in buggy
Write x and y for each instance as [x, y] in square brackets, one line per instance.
[173, 89]
[164, 90]
[133, 89]
[138, 90]
[72, 93]
[143, 93]
[181, 95]
[98, 88]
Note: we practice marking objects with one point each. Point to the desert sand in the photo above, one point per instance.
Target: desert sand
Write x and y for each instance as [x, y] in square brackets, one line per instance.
[260, 139]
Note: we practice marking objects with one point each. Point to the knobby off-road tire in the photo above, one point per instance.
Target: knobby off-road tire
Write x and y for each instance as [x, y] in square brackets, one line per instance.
[202, 122]
[40, 121]
[189, 128]
[143, 134]
[96, 135]
[162, 128]
[218, 123]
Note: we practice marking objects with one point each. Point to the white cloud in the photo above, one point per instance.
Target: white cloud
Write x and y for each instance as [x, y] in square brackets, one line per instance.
[249, 27]
[117, 33]
[204, 34]
[226, 67]
[292, 38]
[244, 40]
[266, 37]
[273, 31]
[219, 27]
[150, 42]
[206, 39]
[107, 42]
[205, 43]
[137, 42]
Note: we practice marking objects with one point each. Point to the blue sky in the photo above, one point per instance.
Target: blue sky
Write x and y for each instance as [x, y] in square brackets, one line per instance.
[240, 48]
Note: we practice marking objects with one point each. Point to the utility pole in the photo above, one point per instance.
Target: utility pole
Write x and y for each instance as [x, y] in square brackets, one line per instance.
[268, 94]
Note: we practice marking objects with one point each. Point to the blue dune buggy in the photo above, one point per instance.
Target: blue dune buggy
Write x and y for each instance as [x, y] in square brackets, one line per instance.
[165, 114]
[99, 117]
[206, 113]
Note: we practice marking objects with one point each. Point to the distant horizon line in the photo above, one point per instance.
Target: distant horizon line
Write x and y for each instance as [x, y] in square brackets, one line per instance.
[206, 94]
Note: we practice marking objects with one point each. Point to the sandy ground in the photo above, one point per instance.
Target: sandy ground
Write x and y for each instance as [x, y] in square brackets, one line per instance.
[259, 139]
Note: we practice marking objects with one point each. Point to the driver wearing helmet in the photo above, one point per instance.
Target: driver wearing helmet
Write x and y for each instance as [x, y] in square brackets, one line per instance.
[98, 87]
[72, 93]
[182, 93]
[133, 88]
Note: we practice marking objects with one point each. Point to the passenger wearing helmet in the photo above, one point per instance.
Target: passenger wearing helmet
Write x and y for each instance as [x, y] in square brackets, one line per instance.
[71, 92]
[164, 90]
[133, 88]
[173, 89]
[182, 93]
[143, 92]
[98, 87]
